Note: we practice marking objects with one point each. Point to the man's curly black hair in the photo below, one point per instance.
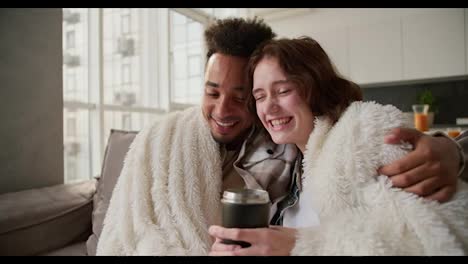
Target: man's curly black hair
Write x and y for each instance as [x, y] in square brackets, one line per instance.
[236, 36]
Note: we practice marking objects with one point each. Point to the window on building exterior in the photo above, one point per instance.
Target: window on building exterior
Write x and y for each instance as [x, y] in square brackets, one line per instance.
[126, 121]
[70, 82]
[71, 126]
[125, 23]
[126, 74]
[70, 43]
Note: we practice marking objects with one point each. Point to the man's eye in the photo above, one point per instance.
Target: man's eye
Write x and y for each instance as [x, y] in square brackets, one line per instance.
[284, 91]
[212, 94]
[257, 98]
[240, 99]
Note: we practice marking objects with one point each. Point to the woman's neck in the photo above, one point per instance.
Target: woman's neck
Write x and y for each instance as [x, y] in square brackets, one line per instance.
[303, 138]
[301, 147]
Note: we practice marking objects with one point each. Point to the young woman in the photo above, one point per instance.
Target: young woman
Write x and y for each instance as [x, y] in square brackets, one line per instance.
[345, 207]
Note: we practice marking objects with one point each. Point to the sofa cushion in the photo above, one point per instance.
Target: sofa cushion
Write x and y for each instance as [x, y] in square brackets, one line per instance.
[43, 219]
[117, 146]
[77, 249]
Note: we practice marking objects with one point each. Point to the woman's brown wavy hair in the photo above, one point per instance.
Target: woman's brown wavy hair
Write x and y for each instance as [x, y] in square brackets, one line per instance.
[307, 65]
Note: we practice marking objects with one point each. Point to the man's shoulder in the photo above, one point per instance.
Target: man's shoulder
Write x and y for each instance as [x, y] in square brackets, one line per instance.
[259, 139]
[259, 146]
[189, 113]
[180, 119]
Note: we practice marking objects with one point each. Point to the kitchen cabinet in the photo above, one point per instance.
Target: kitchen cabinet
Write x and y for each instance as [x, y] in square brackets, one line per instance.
[434, 44]
[375, 52]
[335, 44]
[379, 47]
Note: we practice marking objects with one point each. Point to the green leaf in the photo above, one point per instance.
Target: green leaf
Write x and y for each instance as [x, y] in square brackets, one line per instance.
[426, 97]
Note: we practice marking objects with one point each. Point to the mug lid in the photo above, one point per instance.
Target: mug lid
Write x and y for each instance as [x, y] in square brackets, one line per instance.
[245, 196]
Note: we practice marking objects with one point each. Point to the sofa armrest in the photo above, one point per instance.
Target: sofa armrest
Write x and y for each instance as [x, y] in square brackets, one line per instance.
[43, 219]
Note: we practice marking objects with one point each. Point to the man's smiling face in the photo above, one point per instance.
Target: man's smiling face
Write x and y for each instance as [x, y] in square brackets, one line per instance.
[224, 101]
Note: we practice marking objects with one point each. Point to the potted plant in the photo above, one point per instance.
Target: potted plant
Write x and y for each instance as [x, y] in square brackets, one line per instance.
[427, 97]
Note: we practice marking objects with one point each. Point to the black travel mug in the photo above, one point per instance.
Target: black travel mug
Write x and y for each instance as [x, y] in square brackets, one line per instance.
[245, 208]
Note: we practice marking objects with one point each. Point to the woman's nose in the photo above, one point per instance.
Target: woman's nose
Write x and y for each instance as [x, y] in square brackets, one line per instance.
[271, 105]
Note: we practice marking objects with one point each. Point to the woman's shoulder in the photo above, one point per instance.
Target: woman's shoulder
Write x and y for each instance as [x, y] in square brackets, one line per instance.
[366, 120]
[371, 112]
[372, 107]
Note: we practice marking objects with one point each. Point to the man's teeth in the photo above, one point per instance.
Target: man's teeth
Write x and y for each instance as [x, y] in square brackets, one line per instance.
[280, 121]
[225, 124]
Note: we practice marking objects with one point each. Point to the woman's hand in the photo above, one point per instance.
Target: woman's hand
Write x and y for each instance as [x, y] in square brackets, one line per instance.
[272, 241]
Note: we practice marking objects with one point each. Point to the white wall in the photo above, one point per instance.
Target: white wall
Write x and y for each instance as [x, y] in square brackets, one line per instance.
[375, 46]
[327, 19]
[31, 109]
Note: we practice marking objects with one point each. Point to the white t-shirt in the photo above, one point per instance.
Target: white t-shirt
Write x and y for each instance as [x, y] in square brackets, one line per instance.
[301, 214]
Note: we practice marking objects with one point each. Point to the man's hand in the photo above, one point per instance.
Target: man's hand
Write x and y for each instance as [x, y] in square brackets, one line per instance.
[430, 170]
[273, 241]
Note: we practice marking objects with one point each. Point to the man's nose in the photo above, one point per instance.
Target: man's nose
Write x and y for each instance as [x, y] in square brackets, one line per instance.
[224, 107]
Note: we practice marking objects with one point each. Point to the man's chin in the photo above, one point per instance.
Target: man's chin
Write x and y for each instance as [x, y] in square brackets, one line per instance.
[222, 139]
[231, 142]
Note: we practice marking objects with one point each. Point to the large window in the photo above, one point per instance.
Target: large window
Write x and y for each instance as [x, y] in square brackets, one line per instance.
[186, 51]
[106, 83]
[125, 68]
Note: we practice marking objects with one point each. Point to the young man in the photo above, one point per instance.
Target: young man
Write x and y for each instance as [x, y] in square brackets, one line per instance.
[168, 193]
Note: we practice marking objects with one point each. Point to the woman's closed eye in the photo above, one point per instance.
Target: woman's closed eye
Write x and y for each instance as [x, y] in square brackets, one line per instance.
[284, 91]
[259, 97]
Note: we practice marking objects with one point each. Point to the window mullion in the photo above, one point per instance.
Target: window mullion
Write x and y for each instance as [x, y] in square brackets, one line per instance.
[132, 109]
[163, 62]
[78, 105]
[101, 79]
[94, 85]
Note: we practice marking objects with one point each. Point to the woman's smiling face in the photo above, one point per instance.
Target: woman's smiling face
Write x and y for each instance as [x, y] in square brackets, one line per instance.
[280, 106]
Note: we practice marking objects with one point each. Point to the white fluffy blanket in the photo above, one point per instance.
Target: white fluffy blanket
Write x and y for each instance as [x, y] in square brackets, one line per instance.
[168, 192]
[360, 213]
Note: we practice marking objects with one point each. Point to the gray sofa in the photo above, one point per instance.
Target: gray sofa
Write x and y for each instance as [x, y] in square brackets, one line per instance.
[64, 219]
[67, 219]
